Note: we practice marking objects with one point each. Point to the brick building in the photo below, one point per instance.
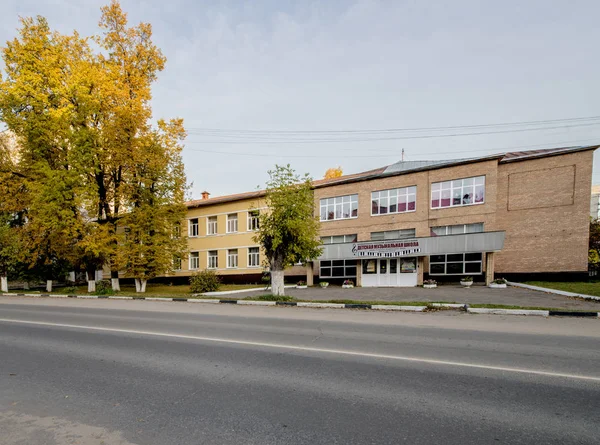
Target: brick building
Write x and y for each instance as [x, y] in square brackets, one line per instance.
[510, 214]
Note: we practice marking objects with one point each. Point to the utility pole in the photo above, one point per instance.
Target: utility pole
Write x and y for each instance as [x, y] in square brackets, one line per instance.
[402, 155]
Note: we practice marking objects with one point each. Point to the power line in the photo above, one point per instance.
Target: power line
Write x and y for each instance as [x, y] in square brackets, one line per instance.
[279, 155]
[392, 138]
[395, 130]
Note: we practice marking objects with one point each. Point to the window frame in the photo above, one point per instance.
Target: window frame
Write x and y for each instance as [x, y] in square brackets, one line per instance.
[351, 238]
[253, 220]
[192, 226]
[389, 197]
[414, 235]
[212, 222]
[338, 203]
[328, 265]
[254, 255]
[447, 228]
[464, 263]
[230, 256]
[209, 259]
[194, 256]
[235, 220]
[438, 187]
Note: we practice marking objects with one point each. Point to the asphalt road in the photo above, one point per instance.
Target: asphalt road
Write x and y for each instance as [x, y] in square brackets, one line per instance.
[149, 373]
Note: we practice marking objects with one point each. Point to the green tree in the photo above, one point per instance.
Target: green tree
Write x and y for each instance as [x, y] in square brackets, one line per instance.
[594, 252]
[152, 236]
[289, 230]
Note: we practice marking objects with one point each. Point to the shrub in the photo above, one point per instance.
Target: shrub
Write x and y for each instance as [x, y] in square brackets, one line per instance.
[69, 290]
[104, 287]
[348, 283]
[205, 281]
[467, 279]
[324, 284]
[429, 282]
[500, 281]
[301, 283]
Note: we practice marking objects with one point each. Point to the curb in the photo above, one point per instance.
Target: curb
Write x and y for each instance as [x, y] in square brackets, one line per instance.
[376, 307]
[554, 291]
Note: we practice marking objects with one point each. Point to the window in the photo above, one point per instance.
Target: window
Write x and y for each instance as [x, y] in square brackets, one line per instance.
[232, 223]
[457, 229]
[232, 258]
[194, 260]
[460, 192]
[193, 227]
[456, 264]
[176, 234]
[338, 239]
[213, 259]
[337, 269]
[253, 220]
[253, 257]
[211, 225]
[393, 234]
[394, 201]
[176, 262]
[340, 207]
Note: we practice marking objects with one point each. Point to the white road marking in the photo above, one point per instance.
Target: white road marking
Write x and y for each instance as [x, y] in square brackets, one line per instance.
[310, 349]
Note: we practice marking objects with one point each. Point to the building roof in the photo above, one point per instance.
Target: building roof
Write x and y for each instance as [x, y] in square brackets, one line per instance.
[403, 167]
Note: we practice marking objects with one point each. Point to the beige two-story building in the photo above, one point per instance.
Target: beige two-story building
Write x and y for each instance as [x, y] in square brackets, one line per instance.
[510, 214]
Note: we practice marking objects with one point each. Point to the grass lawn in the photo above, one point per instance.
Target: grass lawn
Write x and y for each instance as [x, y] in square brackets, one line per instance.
[579, 287]
[154, 290]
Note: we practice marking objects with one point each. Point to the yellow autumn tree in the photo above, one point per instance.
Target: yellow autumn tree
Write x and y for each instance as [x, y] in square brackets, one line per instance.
[333, 172]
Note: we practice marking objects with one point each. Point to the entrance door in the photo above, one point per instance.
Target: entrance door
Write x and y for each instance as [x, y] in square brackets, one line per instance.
[390, 272]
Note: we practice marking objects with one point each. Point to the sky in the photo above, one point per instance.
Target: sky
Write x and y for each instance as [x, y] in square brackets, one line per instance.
[268, 82]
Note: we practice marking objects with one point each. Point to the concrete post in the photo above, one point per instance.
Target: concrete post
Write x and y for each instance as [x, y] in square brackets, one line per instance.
[489, 268]
[420, 270]
[358, 273]
[309, 274]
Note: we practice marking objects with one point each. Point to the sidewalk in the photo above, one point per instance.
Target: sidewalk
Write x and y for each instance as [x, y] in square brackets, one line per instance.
[477, 294]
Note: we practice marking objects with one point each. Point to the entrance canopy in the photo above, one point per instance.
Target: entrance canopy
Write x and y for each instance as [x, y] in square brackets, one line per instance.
[424, 246]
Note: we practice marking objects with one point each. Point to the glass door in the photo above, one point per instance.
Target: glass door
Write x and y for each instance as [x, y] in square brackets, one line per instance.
[383, 272]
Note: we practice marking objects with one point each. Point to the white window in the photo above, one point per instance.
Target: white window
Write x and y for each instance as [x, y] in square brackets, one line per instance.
[232, 258]
[194, 260]
[337, 269]
[337, 239]
[253, 257]
[393, 234]
[193, 227]
[457, 229]
[394, 201]
[340, 207]
[213, 259]
[176, 231]
[232, 223]
[456, 264]
[253, 220]
[459, 192]
[176, 262]
[211, 225]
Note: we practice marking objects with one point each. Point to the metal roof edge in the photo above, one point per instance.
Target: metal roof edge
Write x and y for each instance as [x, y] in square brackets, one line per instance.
[565, 151]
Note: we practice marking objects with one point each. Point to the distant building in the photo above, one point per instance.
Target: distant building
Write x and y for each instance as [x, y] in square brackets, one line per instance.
[595, 202]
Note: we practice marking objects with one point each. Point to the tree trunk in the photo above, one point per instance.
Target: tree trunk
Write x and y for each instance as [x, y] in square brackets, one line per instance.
[277, 288]
[26, 285]
[114, 280]
[3, 283]
[140, 285]
[91, 280]
[48, 285]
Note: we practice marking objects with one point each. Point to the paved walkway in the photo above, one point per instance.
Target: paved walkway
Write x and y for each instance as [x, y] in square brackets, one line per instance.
[477, 294]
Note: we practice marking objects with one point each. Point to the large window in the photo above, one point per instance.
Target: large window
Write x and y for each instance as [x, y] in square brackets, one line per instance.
[460, 192]
[232, 223]
[194, 260]
[393, 234]
[393, 201]
[338, 239]
[211, 225]
[253, 257]
[253, 220]
[193, 227]
[340, 207]
[337, 269]
[457, 229]
[456, 264]
[176, 262]
[213, 259]
[232, 258]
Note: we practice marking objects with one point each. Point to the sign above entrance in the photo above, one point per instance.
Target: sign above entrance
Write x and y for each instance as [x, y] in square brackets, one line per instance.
[386, 250]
